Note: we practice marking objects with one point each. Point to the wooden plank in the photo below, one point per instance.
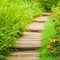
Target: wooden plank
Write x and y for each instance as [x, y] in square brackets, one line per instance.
[22, 58]
[27, 44]
[23, 55]
[31, 33]
[41, 19]
[29, 40]
[30, 36]
[27, 47]
[46, 13]
[35, 27]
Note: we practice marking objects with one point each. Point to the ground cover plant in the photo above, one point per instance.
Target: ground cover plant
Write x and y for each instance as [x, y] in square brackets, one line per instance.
[50, 49]
[14, 16]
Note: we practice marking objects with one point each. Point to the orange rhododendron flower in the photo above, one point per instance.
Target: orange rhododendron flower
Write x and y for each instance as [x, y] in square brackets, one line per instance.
[49, 47]
[53, 41]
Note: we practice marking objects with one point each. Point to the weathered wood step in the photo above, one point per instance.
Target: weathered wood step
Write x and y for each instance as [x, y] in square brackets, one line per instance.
[35, 27]
[28, 44]
[29, 40]
[24, 55]
[31, 36]
[41, 19]
[46, 13]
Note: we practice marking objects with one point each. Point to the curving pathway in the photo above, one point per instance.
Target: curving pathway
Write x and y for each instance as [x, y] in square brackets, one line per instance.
[30, 41]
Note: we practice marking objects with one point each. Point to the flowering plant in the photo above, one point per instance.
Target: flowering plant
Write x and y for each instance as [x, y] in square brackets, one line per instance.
[54, 44]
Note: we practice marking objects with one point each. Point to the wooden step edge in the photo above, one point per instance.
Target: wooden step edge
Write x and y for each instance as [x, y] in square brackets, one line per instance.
[40, 21]
[48, 14]
[22, 58]
[26, 48]
[35, 30]
[25, 53]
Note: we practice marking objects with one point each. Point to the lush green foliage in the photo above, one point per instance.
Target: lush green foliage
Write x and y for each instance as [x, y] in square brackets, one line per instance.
[47, 4]
[51, 31]
[14, 16]
[56, 13]
[48, 33]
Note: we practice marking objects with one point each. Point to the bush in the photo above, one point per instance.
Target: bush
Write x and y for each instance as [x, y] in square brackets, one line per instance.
[48, 33]
[47, 4]
[51, 37]
[56, 13]
[14, 16]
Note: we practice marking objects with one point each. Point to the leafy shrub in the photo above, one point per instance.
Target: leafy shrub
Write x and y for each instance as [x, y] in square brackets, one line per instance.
[56, 13]
[51, 33]
[47, 4]
[48, 33]
[49, 27]
[14, 16]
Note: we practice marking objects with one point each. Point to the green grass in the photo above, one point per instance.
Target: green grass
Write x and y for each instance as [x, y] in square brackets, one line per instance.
[45, 54]
[14, 16]
[48, 33]
[51, 31]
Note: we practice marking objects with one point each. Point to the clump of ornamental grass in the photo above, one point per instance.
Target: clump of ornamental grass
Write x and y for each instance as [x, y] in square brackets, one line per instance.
[14, 16]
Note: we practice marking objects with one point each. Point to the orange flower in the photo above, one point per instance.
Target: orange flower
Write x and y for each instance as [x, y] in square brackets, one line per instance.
[49, 47]
[53, 41]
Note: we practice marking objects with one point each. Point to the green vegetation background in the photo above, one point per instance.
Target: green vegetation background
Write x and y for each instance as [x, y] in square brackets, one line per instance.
[16, 14]
[51, 31]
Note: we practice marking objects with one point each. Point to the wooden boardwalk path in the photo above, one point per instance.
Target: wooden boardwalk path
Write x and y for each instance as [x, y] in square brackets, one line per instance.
[30, 41]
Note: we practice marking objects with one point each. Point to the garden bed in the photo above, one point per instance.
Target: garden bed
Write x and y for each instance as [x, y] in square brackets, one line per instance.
[50, 49]
[14, 17]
